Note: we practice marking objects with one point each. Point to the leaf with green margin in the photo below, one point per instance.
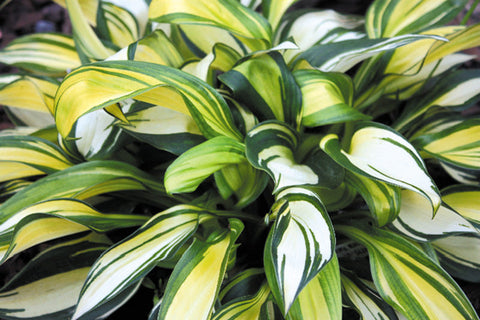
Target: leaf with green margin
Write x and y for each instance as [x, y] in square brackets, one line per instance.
[456, 256]
[48, 286]
[230, 15]
[132, 258]
[245, 283]
[327, 98]
[343, 55]
[28, 92]
[246, 307]
[195, 282]
[271, 146]
[388, 18]
[163, 128]
[42, 53]
[378, 152]
[456, 90]
[82, 181]
[192, 167]
[322, 296]
[78, 94]
[403, 274]
[414, 220]
[263, 83]
[275, 9]
[242, 181]
[462, 174]
[362, 296]
[56, 218]
[382, 199]
[299, 244]
[156, 47]
[24, 156]
[465, 200]
[458, 145]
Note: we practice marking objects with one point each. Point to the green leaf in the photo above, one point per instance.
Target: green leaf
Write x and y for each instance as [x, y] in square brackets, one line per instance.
[322, 296]
[362, 296]
[271, 147]
[23, 157]
[264, 85]
[382, 199]
[415, 221]
[82, 181]
[132, 258]
[299, 244]
[378, 152]
[226, 14]
[49, 285]
[388, 18]
[408, 279]
[160, 85]
[326, 98]
[455, 255]
[195, 282]
[189, 170]
[53, 219]
[245, 308]
[343, 55]
[458, 145]
[42, 53]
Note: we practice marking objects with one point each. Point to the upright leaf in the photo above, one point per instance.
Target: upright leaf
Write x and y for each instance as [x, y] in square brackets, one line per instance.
[378, 152]
[131, 259]
[274, 10]
[408, 279]
[299, 244]
[195, 282]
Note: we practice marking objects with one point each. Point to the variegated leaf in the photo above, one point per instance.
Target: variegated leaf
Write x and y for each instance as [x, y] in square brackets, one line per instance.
[457, 254]
[195, 282]
[242, 181]
[456, 90]
[308, 28]
[56, 218]
[337, 198]
[327, 98]
[378, 152]
[155, 47]
[152, 83]
[131, 259]
[362, 296]
[415, 221]
[465, 200]
[461, 174]
[28, 92]
[42, 53]
[245, 308]
[343, 55]
[388, 18]
[163, 128]
[299, 244]
[403, 274]
[458, 145]
[189, 170]
[270, 146]
[322, 296]
[82, 181]
[230, 15]
[264, 84]
[273, 10]
[56, 274]
[24, 156]
[382, 199]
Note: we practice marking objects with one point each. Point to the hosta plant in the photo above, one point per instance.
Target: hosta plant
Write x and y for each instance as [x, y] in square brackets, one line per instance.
[242, 160]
